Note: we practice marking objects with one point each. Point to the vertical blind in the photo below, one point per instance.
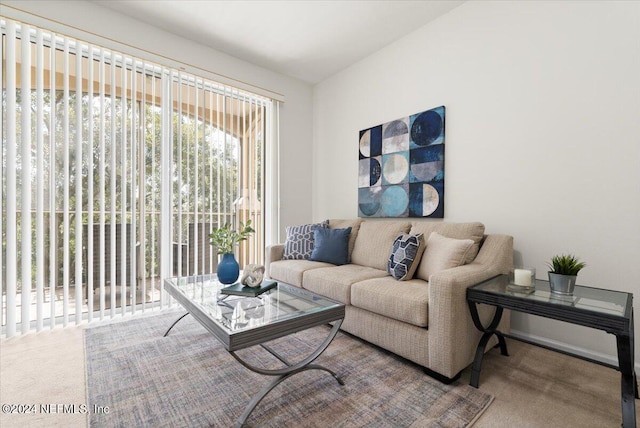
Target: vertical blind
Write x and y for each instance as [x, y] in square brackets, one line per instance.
[114, 172]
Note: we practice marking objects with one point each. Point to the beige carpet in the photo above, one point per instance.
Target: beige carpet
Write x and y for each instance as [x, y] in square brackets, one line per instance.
[41, 368]
[532, 388]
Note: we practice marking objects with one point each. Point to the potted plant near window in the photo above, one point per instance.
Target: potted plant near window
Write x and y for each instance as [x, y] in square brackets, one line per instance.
[563, 272]
[225, 239]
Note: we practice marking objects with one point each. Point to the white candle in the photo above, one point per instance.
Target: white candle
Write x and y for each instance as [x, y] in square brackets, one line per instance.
[522, 277]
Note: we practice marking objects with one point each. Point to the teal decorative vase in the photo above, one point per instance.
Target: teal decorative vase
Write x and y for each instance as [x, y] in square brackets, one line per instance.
[228, 269]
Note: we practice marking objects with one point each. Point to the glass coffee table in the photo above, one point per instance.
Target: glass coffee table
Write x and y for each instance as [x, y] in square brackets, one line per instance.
[239, 322]
[602, 309]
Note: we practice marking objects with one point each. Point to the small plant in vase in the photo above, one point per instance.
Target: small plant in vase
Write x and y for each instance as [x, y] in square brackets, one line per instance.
[563, 271]
[225, 239]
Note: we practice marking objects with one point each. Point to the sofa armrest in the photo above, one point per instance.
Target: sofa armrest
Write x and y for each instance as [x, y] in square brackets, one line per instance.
[271, 254]
[452, 336]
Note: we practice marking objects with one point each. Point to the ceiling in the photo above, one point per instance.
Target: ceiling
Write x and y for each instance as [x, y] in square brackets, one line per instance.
[308, 40]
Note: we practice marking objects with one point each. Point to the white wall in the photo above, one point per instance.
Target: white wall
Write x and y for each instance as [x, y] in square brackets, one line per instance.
[295, 113]
[542, 134]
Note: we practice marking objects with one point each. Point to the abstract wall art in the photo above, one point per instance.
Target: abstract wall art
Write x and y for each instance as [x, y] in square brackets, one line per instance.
[401, 167]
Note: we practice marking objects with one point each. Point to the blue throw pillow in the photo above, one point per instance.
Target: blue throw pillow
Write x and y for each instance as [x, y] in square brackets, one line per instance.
[331, 245]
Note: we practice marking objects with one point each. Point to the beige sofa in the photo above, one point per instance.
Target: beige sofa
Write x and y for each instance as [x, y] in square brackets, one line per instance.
[425, 319]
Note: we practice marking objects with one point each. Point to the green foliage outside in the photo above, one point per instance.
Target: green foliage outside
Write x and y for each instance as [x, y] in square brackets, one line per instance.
[115, 189]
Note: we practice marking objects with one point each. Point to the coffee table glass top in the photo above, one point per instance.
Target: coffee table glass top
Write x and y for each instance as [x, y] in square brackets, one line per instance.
[235, 314]
[584, 298]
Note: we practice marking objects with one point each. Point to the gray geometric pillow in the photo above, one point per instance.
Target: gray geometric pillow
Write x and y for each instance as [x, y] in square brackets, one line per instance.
[405, 256]
[299, 243]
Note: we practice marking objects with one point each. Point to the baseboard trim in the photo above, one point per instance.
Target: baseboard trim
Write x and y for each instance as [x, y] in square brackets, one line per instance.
[605, 358]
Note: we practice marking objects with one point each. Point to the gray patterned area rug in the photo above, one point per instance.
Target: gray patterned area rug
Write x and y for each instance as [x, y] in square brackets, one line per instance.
[189, 380]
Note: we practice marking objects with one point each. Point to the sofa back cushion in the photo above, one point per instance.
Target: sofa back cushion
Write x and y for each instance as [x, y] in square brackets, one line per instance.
[473, 231]
[375, 241]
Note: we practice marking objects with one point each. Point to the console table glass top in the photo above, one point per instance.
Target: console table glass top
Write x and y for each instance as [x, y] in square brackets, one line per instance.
[609, 302]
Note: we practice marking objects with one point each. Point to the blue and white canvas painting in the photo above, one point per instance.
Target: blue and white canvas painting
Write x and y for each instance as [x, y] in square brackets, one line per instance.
[401, 167]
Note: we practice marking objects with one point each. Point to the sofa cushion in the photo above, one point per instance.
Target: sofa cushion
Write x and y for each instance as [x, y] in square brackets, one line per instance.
[335, 282]
[443, 253]
[474, 231]
[299, 243]
[405, 301]
[374, 242]
[343, 224]
[331, 245]
[405, 256]
[290, 271]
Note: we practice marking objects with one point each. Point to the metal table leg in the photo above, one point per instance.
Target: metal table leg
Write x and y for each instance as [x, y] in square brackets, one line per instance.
[482, 344]
[286, 372]
[628, 381]
[174, 323]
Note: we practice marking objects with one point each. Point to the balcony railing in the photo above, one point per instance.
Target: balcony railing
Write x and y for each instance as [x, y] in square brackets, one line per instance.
[120, 275]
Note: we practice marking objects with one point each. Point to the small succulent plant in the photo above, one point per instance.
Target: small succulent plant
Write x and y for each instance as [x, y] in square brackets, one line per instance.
[565, 264]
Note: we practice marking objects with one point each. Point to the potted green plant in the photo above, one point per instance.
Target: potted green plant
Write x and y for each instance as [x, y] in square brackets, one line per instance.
[563, 271]
[225, 239]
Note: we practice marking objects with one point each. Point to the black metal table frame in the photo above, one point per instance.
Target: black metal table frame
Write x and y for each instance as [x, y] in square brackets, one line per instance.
[620, 327]
[281, 374]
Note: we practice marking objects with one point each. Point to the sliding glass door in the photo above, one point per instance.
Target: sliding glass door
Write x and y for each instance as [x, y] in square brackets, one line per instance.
[114, 171]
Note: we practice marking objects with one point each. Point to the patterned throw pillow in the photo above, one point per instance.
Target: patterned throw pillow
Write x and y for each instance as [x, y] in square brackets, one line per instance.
[299, 243]
[405, 256]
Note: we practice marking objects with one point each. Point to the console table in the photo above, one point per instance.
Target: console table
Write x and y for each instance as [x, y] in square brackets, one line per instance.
[608, 310]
